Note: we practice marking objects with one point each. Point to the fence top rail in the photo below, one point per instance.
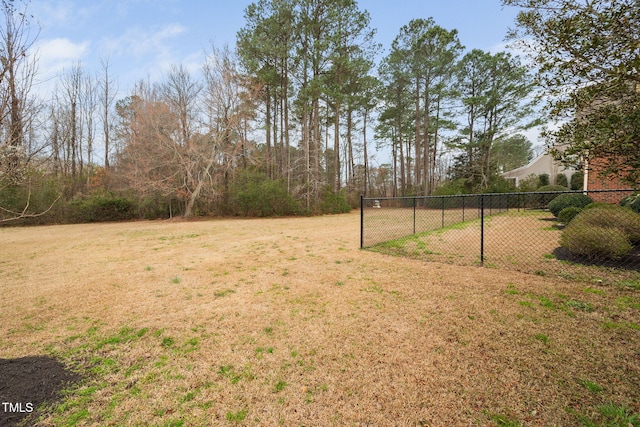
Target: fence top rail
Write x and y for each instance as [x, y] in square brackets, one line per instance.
[516, 193]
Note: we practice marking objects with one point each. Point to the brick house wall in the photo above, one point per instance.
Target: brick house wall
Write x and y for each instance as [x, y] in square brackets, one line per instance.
[593, 181]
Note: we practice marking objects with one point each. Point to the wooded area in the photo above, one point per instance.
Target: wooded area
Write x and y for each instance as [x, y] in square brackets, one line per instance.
[301, 117]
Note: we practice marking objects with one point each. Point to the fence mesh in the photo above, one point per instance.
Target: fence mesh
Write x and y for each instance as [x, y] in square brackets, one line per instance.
[512, 231]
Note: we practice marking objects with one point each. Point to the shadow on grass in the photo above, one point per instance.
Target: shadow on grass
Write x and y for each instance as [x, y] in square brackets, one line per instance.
[27, 383]
[630, 262]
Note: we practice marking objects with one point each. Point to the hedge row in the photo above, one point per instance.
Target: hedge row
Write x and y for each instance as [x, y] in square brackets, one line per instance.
[600, 231]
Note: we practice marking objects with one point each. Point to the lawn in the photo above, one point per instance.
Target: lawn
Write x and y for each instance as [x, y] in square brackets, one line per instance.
[287, 322]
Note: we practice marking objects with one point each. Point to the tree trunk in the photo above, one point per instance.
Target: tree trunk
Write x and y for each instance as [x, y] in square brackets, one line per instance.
[268, 130]
[336, 149]
[417, 163]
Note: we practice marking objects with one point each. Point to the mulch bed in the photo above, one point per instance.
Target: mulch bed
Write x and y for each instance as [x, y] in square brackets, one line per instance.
[27, 383]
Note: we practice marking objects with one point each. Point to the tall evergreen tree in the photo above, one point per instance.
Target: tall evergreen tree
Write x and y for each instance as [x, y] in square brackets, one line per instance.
[496, 93]
[426, 53]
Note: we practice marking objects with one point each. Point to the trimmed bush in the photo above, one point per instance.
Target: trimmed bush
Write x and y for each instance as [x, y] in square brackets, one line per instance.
[544, 179]
[561, 179]
[567, 214]
[552, 187]
[562, 201]
[595, 243]
[612, 216]
[632, 202]
[602, 205]
[602, 232]
[577, 180]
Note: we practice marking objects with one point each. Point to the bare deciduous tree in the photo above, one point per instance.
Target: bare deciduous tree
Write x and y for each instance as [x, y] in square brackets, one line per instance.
[108, 89]
[17, 71]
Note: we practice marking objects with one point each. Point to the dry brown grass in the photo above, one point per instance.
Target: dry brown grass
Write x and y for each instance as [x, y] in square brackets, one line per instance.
[287, 322]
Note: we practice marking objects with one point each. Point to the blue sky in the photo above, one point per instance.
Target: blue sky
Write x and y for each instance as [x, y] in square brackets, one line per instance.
[143, 38]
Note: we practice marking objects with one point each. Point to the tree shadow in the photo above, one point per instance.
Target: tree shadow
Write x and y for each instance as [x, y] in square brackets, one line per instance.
[27, 383]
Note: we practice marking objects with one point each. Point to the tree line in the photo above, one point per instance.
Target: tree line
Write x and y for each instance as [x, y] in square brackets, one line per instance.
[288, 121]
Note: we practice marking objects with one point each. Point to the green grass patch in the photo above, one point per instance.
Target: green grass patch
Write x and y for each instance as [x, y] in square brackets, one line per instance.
[542, 338]
[234, 376]
[263, 350]
[279, 386]
[504, 420]
[593, 387]
[238, 416]
[547, 303]
[579, 305]
[611, 415]
[511, 289]
[629, 284]
[167, 342]
[628, 302]
[224, 293]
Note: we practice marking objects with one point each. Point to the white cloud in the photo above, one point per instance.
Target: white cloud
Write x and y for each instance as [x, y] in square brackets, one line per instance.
[148, 52]
[54, 55]
[52, 13]
[60, 50]
[141, 42]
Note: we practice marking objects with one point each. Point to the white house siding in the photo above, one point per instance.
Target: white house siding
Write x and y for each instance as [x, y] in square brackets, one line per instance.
[542, 164]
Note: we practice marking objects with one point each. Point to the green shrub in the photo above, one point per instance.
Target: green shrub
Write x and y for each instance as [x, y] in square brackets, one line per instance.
[101, 208]
[562, 201]
[254, 194]
[530, 183]
[450, 188]
[552, 187]
[334, 203]
[561, 179]
[577, 180]
[595, 242]
[37, 194]
[603, 205]
[154, 207]
[632, 202]
[612, 216]
[544, 179]
[567, 214]
[498, 184]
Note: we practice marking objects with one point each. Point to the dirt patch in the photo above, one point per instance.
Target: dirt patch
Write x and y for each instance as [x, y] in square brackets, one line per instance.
[27, 383]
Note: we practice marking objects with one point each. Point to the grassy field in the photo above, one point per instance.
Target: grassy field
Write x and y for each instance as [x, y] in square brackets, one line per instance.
[287, 322]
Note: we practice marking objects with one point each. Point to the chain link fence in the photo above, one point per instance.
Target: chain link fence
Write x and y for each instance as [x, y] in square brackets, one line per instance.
[513, 231]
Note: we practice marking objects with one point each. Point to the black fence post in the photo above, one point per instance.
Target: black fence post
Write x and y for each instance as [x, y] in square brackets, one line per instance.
[482, 230]
[462, 208]
[361, 221]
[415, 201]
[442, 211]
